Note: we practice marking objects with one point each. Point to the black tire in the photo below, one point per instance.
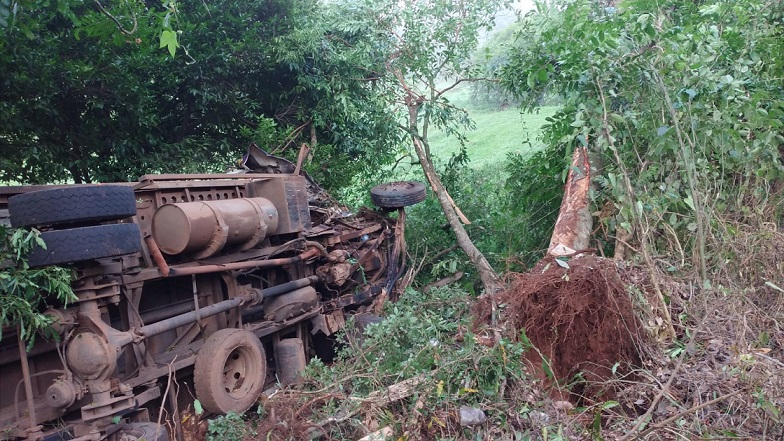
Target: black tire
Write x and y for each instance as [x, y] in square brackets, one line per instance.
[398, 194]
[58, 206]
[140, 432]
[86, 243]
[230, 371]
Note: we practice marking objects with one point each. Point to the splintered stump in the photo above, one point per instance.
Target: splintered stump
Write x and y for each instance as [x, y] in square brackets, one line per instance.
[572, 231]
[576, 313]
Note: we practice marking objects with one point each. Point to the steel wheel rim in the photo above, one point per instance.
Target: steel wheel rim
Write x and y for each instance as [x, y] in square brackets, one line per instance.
[237, 369]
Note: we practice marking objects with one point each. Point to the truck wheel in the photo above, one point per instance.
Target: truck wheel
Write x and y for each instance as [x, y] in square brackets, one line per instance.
[398, 194]
[86, 243]
[140, 432]
[230, 371]
[72, 204]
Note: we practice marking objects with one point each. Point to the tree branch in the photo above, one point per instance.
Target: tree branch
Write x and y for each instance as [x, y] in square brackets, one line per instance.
[116, 21]
[466, 80]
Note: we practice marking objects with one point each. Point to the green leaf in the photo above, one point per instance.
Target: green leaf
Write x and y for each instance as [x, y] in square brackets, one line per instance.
[169, 40]
[617, 118]
[531, 80]
[542, 75]
[662, 130]
[197, 407]
[690, 202]
[546, 368]
[609, 404]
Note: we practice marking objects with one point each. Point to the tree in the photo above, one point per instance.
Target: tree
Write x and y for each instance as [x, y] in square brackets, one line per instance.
[110, 93]
[681, 102]
[421, 50]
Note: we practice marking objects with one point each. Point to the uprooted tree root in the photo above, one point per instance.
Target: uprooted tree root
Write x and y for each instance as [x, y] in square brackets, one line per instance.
[579, 319]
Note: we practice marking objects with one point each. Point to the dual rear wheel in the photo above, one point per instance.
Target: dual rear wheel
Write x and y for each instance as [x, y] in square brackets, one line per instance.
[70, 215]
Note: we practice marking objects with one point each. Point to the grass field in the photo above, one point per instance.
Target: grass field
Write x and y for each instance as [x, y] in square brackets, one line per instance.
[497, 133]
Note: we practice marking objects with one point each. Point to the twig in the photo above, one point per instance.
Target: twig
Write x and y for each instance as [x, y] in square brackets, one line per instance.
[116, 21]
[630, 193]
[440, 254]
[664, 389]
[685, 412]
[626, 244]
[630, 435]
[315, 400]
[166, 392]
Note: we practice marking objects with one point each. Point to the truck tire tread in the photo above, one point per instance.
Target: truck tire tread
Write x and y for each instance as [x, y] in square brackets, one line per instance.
[86, 243]
[71, 205]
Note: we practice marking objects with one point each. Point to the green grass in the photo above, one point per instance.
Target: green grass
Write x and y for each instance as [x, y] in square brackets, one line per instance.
[498, 132]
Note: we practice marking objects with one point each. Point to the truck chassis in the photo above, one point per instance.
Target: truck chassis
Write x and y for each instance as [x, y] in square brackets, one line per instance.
[231, 281]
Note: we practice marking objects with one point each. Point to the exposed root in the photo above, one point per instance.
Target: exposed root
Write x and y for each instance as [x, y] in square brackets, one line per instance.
[581, 321]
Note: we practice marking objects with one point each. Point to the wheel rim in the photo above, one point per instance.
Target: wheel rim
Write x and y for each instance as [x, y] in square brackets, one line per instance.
[238, 371]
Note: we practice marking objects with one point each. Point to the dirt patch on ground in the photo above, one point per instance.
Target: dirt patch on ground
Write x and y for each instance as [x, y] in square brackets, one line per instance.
[579, 317]
[287, 417]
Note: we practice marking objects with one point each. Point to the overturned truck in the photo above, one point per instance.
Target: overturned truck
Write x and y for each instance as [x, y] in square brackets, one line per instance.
[230, 281]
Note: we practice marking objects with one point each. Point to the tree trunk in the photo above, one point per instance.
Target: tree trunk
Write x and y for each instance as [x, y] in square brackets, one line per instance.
[490, 280]
[572, 232]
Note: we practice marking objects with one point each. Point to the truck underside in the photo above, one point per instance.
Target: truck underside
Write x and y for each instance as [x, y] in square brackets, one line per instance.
[229, 281]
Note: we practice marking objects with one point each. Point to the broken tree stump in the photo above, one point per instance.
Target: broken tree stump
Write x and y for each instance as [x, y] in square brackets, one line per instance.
[572, 232]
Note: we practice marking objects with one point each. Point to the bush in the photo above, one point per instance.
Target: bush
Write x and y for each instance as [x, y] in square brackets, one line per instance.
[25, 291]
[425, 336]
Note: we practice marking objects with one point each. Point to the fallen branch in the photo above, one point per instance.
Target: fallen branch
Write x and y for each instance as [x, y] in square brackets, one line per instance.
[679, 415]
[442, 282]
[395, 392]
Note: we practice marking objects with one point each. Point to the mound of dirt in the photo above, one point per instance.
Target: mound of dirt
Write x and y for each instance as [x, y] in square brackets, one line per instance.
[579, 317]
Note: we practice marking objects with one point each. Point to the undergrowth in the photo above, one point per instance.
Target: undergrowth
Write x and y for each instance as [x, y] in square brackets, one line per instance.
[424, 344]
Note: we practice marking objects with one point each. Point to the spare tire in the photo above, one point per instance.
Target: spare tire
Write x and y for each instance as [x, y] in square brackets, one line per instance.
[75, 204]
[87, 243]
[398, 194]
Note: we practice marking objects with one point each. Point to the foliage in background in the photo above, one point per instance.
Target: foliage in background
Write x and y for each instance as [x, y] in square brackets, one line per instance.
[83, 100]
[336, 61]
[512, 216]
[683, 104]
[25, 291]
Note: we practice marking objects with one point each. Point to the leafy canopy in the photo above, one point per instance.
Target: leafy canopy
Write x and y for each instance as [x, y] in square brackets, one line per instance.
[681, 101]
[109, 93]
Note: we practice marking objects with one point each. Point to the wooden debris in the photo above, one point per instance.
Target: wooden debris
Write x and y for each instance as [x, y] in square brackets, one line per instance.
[445, 281]
[378, 435]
